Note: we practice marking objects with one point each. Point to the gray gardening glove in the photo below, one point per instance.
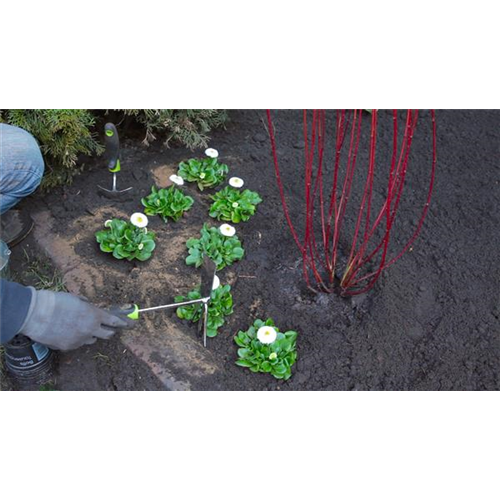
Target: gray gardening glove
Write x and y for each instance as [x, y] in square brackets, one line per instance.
[64, 321]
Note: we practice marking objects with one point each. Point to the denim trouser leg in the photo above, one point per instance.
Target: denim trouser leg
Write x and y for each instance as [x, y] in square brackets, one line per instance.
[21, 165]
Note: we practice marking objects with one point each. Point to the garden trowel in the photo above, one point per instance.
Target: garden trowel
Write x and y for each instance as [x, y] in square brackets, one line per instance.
[207, 280]
[112, 156]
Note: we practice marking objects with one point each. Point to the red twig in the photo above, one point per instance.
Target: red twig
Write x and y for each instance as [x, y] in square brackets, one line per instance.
[321, 264]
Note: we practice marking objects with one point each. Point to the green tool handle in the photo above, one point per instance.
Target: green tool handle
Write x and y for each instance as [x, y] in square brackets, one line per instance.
[112, 142]
[130, 311]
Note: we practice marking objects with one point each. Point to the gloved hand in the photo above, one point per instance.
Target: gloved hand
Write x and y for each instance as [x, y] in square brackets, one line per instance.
[64, 321]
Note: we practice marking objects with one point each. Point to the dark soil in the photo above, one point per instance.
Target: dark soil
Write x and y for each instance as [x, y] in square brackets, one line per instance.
[102, 366]
[430, 323]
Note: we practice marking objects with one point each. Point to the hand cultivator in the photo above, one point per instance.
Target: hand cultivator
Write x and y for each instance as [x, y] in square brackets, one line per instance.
[113, 158]
[368, 252]
[207, 281]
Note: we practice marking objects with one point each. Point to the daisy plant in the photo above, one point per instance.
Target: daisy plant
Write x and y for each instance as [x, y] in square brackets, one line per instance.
[219, 244]
[127, 240]
[263, 348]
[206, 172]
[233, 205]
[168, 203]
[219, 307]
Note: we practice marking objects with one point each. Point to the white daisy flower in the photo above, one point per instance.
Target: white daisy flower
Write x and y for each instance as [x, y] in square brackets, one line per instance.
[236, 182]
[266, 334]
[139, 220]
[177, 179]
[212, 153]
[216, 283]
[108, 223]
[227, 230]
[272, 356]
[235, 204]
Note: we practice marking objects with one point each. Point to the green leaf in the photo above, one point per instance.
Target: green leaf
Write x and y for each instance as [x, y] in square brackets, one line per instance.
[129, 234]
[244, 352]
[118, 252]
[192, 259]
[244, 362]
[238, 253]
[182, 313]
[149, 246]
[143, 256]
[279, 369]
[105, 248]
[240, 341]
[266, 367]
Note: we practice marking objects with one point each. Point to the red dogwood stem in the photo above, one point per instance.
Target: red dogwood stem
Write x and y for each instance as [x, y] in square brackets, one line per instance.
[330, 215]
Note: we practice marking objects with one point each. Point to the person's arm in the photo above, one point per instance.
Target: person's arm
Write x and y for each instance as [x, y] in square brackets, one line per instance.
[56, 319]
[15, 302]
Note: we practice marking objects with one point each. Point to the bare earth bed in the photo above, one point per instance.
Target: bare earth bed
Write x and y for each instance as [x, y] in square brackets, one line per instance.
[431, 323]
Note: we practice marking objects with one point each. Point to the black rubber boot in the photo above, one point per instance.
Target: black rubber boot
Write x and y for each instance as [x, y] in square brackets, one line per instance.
[15, 226]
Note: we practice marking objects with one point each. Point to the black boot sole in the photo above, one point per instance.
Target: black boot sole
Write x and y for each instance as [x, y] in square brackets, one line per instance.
[20, 237]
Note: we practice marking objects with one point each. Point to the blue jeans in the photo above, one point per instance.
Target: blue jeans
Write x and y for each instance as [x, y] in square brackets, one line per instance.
[21, 165]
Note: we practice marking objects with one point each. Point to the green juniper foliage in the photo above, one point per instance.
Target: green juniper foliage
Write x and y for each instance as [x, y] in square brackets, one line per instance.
[276, 358]
[234, 205]
[223, 250]
[189, 127]
[206, 172]
[168, 203]
[126, 241]
[219, 308]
